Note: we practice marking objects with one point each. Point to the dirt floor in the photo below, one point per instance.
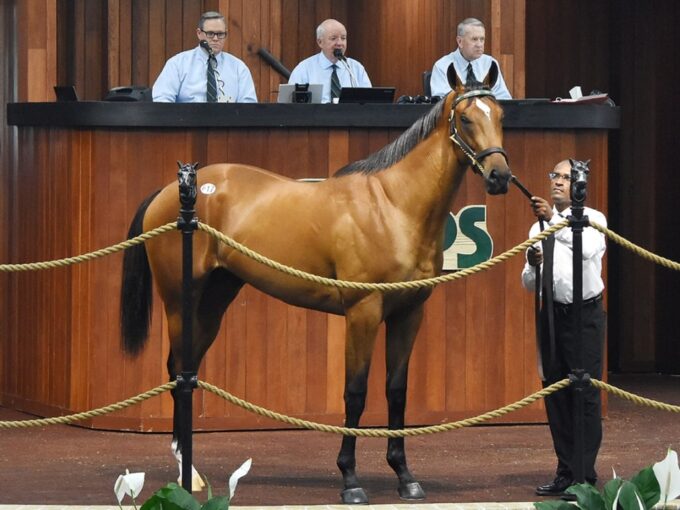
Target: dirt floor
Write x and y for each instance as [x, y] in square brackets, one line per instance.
[71, 465]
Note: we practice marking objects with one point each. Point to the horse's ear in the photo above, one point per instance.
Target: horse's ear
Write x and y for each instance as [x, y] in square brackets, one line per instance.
[491, 76]
[454, 80]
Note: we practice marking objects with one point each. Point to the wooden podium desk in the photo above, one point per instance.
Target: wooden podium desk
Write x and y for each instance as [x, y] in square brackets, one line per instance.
[83, 168]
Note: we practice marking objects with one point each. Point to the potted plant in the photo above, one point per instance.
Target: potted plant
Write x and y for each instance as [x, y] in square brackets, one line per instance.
[654, 485]
[173, 496]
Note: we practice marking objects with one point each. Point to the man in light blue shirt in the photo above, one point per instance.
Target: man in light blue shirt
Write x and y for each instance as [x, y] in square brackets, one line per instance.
[331, 36]
[468, 57]
[184, 79]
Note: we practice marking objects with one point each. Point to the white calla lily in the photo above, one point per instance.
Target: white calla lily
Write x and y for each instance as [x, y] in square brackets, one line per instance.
[667, 473]
[128, 484]
[237, 475]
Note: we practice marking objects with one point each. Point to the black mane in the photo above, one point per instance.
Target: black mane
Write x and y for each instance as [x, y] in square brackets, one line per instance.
[395, 151]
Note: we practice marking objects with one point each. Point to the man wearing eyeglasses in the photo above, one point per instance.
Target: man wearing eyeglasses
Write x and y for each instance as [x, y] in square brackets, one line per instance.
[206, 73]
[558, 364]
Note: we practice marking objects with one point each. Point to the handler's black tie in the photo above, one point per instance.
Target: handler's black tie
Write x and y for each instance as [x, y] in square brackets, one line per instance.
[335, 83]
[471, 78]
[211, 92]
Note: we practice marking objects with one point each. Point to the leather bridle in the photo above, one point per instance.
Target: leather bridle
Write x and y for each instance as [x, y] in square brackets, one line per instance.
[475, 157]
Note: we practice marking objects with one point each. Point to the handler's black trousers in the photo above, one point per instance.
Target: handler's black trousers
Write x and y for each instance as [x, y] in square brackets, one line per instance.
[559, 405]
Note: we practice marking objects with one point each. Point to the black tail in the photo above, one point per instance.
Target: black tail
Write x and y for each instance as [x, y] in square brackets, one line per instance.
[136, 297]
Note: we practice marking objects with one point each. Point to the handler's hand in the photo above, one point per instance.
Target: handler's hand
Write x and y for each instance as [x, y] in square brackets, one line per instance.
[534, 256]
[541, 208]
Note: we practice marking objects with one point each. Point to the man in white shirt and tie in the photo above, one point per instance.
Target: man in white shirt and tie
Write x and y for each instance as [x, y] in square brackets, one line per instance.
[330, 67]
[187, 79]
[558, 364]
[469, 61]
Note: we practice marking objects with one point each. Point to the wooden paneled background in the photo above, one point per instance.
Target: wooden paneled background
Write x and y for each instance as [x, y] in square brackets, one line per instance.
[99, 44]
[475, 351]
[627, 48]
[624, 47]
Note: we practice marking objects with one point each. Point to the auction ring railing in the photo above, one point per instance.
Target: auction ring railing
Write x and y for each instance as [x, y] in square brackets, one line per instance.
[429, 282]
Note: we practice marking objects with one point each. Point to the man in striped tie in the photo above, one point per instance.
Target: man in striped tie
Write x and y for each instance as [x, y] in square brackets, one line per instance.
[468, 60]
[206, 73]
[330, 67]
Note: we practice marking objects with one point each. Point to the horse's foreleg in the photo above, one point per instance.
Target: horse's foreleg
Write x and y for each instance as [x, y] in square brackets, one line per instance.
[362, 322]
[402, 328]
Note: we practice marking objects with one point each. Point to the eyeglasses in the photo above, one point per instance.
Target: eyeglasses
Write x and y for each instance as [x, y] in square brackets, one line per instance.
[212, 35]
[554, 176]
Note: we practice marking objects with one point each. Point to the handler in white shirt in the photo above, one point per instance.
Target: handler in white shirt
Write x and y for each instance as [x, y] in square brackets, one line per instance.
[559, 360]
[470, 38]
[184, 77]
[331, 35]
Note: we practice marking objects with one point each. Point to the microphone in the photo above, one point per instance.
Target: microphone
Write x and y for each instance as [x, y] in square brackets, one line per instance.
[337, 53]
[204, 44]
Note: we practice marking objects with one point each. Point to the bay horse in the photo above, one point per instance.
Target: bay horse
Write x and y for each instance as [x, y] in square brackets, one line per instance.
[394, 202]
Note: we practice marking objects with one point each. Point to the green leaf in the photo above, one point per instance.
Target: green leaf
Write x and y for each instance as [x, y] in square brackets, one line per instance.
[629, 497]
[553, 504]
[611, 488]
[587, 496]
[171, 497]
[217, 503]
[648, 486]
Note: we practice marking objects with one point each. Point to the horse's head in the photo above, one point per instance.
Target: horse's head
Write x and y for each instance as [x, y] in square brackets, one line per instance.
[476, 129]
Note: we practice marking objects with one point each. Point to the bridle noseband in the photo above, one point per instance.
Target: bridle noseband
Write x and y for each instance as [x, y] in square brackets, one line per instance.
[475, 157]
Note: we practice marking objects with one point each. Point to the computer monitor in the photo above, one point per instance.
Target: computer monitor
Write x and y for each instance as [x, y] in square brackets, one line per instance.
[289, 94]
[65, 93]
[366, 95]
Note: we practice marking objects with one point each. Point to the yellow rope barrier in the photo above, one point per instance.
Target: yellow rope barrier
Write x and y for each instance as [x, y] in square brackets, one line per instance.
[646, 254]
[36, 266]
[417, 431]
[413, 284]
[662, 406]
[321, 427]
[63, 420]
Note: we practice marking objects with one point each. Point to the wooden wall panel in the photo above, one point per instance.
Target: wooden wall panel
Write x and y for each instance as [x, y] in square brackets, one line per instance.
[107, 43]
[475, 351]
[620, 47]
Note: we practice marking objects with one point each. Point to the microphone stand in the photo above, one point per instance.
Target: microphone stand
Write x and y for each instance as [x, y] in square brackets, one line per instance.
[337, 53]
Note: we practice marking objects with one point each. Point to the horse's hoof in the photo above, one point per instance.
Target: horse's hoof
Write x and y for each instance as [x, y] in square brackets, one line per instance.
[355, 496]
[411, 490]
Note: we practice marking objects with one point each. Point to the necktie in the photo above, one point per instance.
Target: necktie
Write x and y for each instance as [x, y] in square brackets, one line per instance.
[211, 93]
[471, 78]
[335, 83]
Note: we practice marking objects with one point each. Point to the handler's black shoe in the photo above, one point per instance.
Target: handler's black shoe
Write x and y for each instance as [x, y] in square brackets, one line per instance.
[556, 488]
[572, 497]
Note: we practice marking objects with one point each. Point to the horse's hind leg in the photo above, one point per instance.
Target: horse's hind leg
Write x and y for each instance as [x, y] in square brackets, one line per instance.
[402, 328]
[362, 322]
[218, 291]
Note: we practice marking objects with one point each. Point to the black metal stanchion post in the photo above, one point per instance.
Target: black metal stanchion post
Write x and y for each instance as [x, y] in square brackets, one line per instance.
[186, 380]
[580, 379]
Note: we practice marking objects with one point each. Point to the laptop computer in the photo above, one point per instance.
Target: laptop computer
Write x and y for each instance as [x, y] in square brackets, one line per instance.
[286, 93]
[65, 93]
[366, 95]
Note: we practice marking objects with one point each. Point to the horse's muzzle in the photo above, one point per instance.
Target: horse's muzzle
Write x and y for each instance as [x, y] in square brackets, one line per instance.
[497, 181]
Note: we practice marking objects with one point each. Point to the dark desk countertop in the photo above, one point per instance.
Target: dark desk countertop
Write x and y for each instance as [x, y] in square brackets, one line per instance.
[101, 114]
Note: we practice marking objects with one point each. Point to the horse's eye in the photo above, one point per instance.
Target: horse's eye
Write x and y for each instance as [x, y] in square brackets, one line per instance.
[465, 120]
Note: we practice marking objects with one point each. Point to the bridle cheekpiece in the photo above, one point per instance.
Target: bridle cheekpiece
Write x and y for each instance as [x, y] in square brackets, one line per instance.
[475, 157]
